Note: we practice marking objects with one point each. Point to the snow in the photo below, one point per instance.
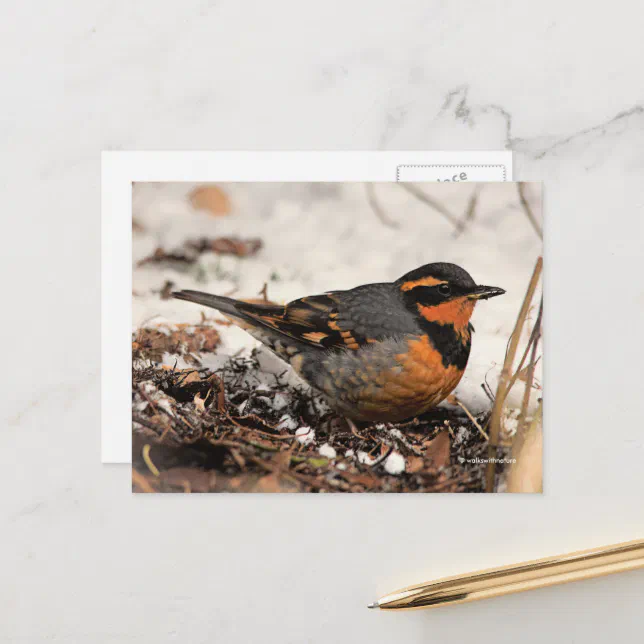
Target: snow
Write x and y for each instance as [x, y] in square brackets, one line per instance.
[287, 422]
[327, 451]
[280, 401]
[305, 435]
[511, 421]
[395, 463]
[365, 459]
[319, 237]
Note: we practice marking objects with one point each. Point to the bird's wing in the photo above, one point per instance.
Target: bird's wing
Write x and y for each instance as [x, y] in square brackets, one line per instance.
[338, 319]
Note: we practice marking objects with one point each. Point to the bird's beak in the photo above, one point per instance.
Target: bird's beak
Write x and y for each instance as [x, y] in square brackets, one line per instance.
[484, 292]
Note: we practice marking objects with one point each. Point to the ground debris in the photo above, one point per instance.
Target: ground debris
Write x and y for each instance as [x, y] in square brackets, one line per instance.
[190, 251]
[241, 429]
[187, 341]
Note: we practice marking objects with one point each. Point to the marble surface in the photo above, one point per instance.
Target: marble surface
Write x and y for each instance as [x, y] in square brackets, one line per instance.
[559, 84]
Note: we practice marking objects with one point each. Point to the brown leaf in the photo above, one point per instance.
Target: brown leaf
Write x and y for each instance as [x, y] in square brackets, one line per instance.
[415, 464]
[438, 449]
[210, 198]
[272, 483]
[199, 402]
[226, 246]
[193, 376]
[282, 460]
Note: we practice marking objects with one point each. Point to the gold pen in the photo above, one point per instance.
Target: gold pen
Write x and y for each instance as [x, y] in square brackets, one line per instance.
[516, 578]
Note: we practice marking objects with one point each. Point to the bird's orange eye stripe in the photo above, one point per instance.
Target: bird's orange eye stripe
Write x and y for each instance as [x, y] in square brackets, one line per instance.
[424, 281]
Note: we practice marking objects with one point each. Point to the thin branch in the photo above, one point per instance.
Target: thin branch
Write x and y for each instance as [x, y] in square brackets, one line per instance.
[528, 210]
[506, 373]
[530, 378]
[476, 423]
[470, 211]
[377, 208]
[430, 201]
[148, 461]
[534, 337]
[383, 458]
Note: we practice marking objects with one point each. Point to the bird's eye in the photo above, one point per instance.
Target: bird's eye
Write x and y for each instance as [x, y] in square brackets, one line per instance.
[444, 289]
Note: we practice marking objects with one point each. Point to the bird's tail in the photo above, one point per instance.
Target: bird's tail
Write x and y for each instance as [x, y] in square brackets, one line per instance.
[226, 305]
[255, 314]
[264, 322]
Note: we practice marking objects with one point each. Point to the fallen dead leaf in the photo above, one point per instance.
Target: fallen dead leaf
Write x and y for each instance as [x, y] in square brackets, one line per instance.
[210, 198]
[193, 376]
[226, 246]
[275, 483]
[415, 464]
[199, 402]
[438, 450]
[191, 250]
[151, 343]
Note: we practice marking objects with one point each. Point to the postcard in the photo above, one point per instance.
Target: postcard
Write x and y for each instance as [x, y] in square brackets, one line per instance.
[120, 170]
[336, 336]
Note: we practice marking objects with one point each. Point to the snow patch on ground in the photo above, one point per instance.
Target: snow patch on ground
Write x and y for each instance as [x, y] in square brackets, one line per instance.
[305, 435]
[364, 458]
[327, 451]
[395, 463]
[287, 422]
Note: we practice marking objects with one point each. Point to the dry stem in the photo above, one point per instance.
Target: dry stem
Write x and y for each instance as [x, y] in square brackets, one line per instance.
[530, 376]
[476, 423]
[506, 374]
[470, 211]
[377, 208]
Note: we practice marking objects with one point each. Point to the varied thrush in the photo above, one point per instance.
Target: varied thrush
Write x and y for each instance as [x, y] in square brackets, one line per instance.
[378, 352]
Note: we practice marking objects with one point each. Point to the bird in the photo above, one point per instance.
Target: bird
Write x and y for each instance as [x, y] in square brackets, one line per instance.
[383, 352]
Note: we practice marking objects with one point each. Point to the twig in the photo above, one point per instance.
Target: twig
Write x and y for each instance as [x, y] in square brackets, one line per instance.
[476, 424]
[430, 201]
[383, 458]
[146, 423]
[148, 461]
[487, 391]
[238, 458]
[534, 336]
[501, 392]
[528, 210]
[140, 480]
[377, 208]
[470, 211]
[530, 376]
[353, 428]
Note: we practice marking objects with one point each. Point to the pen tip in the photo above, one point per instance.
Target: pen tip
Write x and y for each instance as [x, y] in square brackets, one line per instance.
[373, 605]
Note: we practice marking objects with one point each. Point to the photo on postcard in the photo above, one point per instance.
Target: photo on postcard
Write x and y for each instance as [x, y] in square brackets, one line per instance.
[337, 337]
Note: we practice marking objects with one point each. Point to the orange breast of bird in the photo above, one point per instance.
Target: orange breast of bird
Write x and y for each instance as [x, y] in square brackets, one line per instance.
[395, 387]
